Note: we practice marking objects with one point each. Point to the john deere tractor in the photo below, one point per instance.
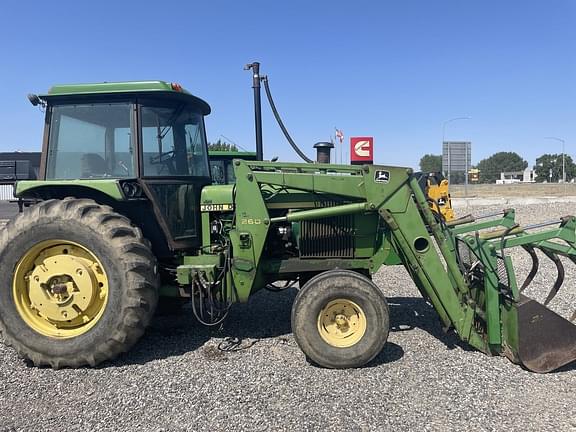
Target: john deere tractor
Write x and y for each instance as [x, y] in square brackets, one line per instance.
[128, 213]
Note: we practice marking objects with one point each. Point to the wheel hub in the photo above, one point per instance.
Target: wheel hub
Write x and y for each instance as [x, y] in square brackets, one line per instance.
[341, 323]
[60, 288]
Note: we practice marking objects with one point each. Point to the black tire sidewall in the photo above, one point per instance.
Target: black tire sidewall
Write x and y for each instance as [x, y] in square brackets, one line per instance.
[316, 294]
[68, 230]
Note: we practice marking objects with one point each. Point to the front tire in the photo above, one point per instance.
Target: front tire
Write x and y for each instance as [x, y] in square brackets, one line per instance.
[78, 286]
[340, 319]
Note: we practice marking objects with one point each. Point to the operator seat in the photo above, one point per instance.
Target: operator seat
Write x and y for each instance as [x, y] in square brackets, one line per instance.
[92, 165]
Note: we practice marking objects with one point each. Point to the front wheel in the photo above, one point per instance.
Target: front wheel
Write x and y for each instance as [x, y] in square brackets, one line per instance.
[78, 283]
[340, 319]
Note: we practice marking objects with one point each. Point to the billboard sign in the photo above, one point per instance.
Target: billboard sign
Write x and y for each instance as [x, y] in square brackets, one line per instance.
[361, 150]
[456, 156]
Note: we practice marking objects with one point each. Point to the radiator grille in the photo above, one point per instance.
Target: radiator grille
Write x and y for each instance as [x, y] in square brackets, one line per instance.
[331, 237]
[468, 258]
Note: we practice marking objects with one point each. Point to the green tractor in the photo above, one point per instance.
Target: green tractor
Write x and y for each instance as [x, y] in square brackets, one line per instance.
[221, 164]
[128, 213]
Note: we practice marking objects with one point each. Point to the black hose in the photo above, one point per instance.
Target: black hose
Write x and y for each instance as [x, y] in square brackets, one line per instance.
[275, 288]
[279, 120]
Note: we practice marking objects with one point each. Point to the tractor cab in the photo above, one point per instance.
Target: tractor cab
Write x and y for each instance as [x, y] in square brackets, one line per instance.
[133, 141]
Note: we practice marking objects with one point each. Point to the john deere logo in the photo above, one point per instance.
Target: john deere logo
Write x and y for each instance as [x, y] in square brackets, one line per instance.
[382, 176]
[441, 201]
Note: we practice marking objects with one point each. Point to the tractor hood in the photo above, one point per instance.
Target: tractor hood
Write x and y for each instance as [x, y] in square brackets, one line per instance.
[217, 198]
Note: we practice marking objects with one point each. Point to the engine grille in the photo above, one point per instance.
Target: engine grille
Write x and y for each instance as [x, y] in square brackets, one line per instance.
[468, 258]
[331, 237]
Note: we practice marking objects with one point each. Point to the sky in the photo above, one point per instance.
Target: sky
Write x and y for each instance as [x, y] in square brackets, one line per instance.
[394, 70]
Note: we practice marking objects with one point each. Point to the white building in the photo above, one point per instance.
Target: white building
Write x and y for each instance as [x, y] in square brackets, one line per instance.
[526, 176]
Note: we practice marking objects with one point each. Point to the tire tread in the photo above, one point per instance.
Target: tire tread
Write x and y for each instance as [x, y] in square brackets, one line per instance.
[135, 259]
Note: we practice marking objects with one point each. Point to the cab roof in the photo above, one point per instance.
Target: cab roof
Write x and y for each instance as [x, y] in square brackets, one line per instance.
[127, 87]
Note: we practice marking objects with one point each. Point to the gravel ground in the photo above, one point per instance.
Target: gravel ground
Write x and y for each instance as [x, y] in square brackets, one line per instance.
[180, 377]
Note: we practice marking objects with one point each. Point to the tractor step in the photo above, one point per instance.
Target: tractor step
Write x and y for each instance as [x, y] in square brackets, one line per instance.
[547, 341]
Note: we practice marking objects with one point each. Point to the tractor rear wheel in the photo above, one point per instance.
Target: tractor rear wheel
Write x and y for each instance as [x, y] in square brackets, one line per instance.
[340, 319]
[78, 285]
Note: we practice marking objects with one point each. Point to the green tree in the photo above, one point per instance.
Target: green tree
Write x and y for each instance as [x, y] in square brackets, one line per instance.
[222, 146]
[456, 177]
[552, 164]
[431, 163]
[491, 167]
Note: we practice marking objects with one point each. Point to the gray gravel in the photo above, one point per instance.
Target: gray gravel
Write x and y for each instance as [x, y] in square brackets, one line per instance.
[177, 378]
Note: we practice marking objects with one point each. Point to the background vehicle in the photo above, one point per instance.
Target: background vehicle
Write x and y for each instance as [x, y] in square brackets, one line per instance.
[221, 165]
[435, 187]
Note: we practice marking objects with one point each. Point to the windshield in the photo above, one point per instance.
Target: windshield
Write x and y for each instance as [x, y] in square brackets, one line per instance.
[173, 141]
[90, 141]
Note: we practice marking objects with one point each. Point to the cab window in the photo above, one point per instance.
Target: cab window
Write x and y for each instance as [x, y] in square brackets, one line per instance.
[173, 142]
[90, 141]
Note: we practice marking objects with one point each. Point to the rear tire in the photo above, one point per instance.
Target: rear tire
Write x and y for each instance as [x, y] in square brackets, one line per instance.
[78, 286]
[340, 319]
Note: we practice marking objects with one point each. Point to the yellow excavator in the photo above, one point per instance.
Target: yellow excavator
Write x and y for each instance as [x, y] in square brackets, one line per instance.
[435, 188]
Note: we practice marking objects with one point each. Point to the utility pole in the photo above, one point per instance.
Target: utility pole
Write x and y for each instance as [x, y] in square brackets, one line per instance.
[563, 159]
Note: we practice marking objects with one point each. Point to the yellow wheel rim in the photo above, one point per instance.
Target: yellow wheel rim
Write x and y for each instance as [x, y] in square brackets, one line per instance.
[60, 289]
[342, 323]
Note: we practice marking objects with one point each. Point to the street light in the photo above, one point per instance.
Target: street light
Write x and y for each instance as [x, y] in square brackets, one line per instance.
[563, 159]
[444, 139]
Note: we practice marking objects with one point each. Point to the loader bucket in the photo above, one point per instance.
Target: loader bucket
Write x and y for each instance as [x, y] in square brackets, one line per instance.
[546, 341]
[521, 328]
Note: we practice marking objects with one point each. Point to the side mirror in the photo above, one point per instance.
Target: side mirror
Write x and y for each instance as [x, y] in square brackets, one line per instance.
[34, 99]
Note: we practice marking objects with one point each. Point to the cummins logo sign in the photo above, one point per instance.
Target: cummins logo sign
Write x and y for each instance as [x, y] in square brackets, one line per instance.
[361, 150]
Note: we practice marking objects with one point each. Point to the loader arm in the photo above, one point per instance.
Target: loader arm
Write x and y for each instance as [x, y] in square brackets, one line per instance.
[479, 299]
[399, 203]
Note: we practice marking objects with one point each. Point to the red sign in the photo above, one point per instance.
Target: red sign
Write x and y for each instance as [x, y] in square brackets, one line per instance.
[361, 150]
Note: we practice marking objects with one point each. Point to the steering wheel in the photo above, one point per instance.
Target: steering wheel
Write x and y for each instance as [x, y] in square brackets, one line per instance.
[162, 158]
[165, 159]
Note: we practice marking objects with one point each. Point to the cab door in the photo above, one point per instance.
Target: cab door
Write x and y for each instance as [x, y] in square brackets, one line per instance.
[174, 167]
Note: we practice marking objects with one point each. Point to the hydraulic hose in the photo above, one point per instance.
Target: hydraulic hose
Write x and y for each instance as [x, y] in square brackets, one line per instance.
[279, 120]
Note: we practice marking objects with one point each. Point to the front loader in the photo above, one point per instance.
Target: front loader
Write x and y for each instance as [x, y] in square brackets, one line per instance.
[128, 214]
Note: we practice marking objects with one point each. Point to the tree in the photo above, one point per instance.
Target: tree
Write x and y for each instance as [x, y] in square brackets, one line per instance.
[222, 146]
[431, 163]
[456, 177]
[552, 164]
[491, 167]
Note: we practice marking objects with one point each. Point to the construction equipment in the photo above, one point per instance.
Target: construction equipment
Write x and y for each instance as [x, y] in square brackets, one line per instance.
[129, 213]
[435, 187]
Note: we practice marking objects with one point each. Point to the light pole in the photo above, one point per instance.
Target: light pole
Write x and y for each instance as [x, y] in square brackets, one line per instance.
[563, 160]
[444, 139]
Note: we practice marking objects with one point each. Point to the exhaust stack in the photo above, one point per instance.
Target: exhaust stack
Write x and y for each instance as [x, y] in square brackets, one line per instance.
[323, 150]
[255, 67]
